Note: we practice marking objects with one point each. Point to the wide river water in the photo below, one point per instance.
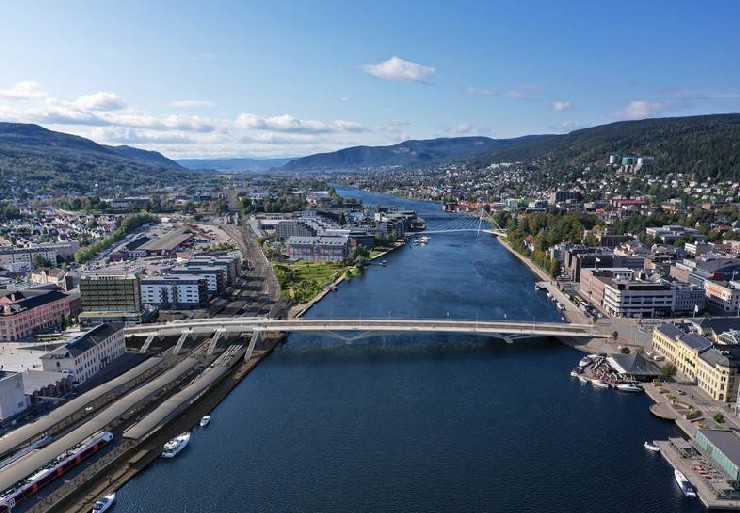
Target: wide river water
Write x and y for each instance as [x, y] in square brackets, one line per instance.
[421, 423]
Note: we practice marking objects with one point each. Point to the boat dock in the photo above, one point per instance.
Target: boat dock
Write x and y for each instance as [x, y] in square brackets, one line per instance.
[711, 485]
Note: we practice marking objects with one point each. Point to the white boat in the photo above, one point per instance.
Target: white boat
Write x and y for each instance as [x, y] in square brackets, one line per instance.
[629, 387]
[204, 420]
[583, 380]
[585, 362]
[651, 446]
[176, 445]
[575, 373]
[104, 503]
[600, 384]
[687, 489]
[559, 305]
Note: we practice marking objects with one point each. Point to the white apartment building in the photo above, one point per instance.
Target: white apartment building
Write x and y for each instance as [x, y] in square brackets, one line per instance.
[84, 355]
[175, 291]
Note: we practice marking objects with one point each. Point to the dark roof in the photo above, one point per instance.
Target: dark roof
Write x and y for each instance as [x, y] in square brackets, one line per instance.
[719, 325]
[726, 441]
[90, 339]
[724, 356]
[635, 364]
[693, 340]
[31, 298]
[723, 265]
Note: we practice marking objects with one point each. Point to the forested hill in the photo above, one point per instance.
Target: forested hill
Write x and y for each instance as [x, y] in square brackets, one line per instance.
[706, 145]
[45, 160]
[403, 154]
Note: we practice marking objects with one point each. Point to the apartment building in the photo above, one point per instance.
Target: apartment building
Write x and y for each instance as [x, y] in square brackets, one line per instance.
[215, 276]
[84, 355]
[177, 291]
[325, 249]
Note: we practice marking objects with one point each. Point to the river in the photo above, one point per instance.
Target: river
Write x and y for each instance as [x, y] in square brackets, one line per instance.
[434, 424]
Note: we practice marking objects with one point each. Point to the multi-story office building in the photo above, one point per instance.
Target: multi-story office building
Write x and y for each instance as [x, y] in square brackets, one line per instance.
[175, 291]
[326, 249]
[680, 347]
[688, 298]
[84, 355]
[110, 292]
[723, 297]
[714, 368]
[22, 313]
[624, 298]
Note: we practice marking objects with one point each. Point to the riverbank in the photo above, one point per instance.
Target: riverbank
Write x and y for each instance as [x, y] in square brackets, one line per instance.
[129, 458]
[299, 310]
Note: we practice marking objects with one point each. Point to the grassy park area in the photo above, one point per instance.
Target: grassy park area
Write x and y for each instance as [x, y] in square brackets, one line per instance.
[303, 280]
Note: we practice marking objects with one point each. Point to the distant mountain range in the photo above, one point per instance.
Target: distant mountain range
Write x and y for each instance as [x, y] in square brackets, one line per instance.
[43, 159]
[404, 154]
[236, 165]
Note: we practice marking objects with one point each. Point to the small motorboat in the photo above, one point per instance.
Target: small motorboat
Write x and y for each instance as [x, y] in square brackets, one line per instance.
[104, 503]
[600, 383]
[650, 446]
[687, 489]
[629, 387]
[583, 380]
[575, 373]
[204, 420]
[585, 362]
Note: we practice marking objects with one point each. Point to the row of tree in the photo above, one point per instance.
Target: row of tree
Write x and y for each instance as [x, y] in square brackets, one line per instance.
[127, 226]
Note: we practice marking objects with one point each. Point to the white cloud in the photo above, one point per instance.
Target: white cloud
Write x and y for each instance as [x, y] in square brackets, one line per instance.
[396, 68]
[640, 109]
[522, 93]
[23, 91]
[462, 129]
[561, 105]
[191, 103]
[101, 101]
[288, 123]
[344, 99]
[104, 117]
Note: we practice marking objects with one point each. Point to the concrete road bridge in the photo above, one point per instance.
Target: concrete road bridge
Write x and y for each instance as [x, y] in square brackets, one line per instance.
[353, 329]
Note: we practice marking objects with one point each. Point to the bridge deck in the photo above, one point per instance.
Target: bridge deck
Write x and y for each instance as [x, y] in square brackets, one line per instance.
[249, 324]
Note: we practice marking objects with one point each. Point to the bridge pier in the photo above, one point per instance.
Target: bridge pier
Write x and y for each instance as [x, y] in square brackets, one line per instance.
[149, 339]
[180, 341]
[214, 340]
[256, 337]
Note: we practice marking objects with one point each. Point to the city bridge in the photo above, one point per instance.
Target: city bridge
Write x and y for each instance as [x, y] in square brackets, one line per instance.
[359, 328]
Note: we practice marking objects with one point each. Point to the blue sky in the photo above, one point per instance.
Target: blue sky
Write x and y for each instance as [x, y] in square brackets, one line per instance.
[269, 79]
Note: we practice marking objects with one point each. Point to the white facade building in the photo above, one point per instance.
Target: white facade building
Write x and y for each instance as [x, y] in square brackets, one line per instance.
[84, 355]
[12, 396]
[175, 291]
[638, 299]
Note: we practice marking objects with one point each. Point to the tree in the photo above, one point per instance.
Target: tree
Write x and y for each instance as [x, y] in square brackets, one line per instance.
[668, 371]
[719, 418]
[615, 335]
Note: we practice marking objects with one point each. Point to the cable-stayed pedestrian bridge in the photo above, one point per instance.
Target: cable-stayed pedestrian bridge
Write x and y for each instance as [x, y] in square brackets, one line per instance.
[352, 329]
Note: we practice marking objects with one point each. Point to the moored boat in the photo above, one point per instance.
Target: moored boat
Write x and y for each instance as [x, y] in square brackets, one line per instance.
[583, 380]
[600, 383]
[575, 373]
[651, 446]
[629, 387]
[104, 503]
[204, 420]
[687, 489]
[585, 362]
[176, 445]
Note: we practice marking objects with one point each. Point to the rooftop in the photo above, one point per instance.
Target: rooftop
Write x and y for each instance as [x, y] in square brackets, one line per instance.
[726, 441]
